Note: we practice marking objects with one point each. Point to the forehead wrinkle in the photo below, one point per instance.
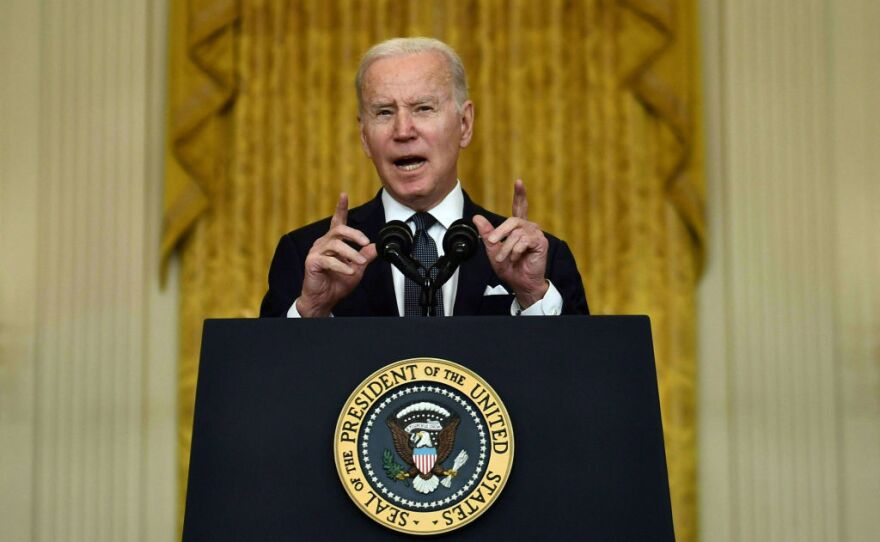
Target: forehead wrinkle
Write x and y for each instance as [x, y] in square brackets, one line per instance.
[438, 82]
[380, 102]
[423, 99]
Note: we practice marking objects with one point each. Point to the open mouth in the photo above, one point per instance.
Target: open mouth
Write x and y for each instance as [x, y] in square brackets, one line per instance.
[409, 163]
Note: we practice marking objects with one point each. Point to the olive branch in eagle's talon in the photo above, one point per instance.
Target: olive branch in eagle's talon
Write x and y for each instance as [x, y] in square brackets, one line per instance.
[394, 470]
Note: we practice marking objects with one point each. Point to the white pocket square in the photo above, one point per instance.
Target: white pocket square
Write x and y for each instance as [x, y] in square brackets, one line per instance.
[496, 290]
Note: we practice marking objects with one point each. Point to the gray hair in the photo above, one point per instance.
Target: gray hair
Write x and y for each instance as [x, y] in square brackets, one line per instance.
[411, 46]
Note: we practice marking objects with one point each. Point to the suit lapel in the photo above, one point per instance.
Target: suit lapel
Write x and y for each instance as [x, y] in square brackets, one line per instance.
[475, 274]
[377, 282]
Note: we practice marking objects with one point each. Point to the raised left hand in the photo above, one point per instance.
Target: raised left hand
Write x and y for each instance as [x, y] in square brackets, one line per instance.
[517, 250]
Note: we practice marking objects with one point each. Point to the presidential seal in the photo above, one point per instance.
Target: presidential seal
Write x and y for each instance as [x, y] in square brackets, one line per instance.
[423, 446]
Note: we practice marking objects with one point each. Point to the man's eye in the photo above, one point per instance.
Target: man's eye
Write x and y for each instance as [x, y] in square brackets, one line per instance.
[383, 113]
[424, 109]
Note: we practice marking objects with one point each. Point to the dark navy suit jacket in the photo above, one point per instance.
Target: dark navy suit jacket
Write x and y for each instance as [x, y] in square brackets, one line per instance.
[374, 296]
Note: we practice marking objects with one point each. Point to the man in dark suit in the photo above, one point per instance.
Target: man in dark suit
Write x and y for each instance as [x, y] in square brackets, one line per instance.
[414, 120]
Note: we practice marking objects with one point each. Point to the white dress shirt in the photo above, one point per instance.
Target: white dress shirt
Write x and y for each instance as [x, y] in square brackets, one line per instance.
[446, 212]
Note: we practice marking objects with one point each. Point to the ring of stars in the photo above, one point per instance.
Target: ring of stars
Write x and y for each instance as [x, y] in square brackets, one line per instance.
[388, 493]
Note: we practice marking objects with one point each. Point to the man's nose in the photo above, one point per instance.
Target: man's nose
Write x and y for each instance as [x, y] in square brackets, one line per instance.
[404, 128]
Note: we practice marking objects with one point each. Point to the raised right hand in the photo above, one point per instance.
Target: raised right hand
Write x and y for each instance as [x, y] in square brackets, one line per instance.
[333, 268]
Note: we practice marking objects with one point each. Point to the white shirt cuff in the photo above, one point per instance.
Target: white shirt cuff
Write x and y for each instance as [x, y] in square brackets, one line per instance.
[549, 305]
[293, 313]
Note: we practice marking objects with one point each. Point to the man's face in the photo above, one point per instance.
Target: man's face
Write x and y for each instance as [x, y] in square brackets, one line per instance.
[411, 128]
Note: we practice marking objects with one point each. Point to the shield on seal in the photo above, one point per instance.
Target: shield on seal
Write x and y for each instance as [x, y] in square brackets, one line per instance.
[424, 459]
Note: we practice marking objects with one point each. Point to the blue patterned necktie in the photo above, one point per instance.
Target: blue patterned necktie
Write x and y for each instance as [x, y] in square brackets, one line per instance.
[425, 251]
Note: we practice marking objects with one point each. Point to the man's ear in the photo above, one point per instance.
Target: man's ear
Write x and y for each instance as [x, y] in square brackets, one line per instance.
[467, 123]
[363, 130]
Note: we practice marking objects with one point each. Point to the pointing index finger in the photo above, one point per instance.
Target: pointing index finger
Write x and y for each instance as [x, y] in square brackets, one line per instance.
[340, 215]
[520, 203]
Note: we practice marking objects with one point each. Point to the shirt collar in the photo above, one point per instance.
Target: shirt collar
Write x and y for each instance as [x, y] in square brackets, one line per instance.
[446, 212]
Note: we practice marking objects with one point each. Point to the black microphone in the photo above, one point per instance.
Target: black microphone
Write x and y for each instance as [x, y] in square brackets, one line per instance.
[460, 241]
[459, 244]
[395, 244]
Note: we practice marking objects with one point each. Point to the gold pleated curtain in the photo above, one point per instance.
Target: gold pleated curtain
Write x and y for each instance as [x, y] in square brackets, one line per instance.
[594, 103]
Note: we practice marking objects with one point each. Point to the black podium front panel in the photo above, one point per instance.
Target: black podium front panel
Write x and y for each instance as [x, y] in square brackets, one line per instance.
[581, 392]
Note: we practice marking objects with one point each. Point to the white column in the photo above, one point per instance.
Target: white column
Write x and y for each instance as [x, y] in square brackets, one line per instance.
[790, 333]
[855, 119]
[19, 141]
[88, 425]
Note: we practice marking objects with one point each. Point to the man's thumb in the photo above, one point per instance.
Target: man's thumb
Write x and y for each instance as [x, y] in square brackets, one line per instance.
[483, 226]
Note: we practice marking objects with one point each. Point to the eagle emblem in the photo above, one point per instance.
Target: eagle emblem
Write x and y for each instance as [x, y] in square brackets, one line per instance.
[424, 438]
[423, 446]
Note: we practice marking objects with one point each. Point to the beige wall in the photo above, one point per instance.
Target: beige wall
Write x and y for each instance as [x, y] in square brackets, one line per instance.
[790, 305]
[87, 338]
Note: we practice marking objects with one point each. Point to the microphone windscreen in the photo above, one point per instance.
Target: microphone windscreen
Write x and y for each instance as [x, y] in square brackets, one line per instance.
[460, 241]
[395, 235]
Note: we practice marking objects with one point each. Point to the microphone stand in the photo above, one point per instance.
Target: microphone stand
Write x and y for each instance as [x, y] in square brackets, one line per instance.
[459, 244]
[445, 266]
[429, 295]
[410, 269]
